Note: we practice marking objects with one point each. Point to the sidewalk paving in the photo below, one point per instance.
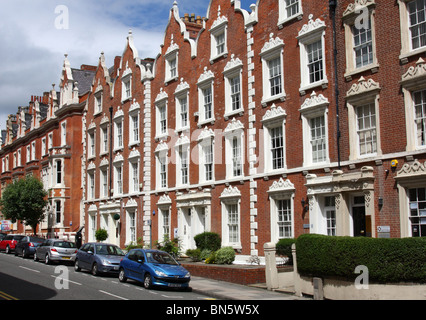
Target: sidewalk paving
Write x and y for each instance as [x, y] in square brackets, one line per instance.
[230, 291]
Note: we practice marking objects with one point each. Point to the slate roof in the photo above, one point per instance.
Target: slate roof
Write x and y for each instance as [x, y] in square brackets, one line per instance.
[84, 79]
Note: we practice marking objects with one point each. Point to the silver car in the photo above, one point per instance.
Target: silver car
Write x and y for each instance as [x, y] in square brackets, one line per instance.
[56, 250]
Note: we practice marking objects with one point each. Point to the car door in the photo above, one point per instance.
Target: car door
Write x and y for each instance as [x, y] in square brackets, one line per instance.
[139, 265]
[82, 256]
[41, 249]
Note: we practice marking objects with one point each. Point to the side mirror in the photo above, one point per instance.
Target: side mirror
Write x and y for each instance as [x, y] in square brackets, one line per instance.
[90, 252]
[141, 261]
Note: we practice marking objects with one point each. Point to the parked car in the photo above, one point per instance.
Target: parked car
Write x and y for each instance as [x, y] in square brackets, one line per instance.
[27, 246]
[98, 258]
[9, 242]
[56, 250]
[2, 236]
[153, 268]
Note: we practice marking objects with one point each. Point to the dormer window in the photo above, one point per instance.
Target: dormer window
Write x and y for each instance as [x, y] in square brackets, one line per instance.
[171, 59]
[126, 80]
[219, 37]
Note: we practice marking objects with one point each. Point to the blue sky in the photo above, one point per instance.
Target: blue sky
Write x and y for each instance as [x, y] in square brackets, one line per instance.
[33, 47]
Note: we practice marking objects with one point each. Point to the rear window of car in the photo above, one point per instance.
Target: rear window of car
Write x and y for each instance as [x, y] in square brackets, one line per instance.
[64, 244]
[17, 237]
[35, 239]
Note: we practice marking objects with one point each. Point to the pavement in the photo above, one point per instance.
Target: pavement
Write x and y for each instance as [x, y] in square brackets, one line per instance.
[230, 291]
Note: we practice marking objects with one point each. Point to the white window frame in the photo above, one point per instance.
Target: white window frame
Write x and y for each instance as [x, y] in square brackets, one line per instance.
[413, 81]
[58, 176]
[182, 95]
[103, 182]
[134, 179]
[312, 32]
[406, 41]
[91, 143]
[283, 16]
[126, 84]
[206, 140]
[235, 130]
[231, 196]
[33, 151]
[281, 190]
[131, 225]
[350, 16]
[104, 144]
[118, 130]
[164, 220]
[161, 158]
[182, 146]
[63, 133]
[99, 97]
[271, 51]
[219, 28]
[273, 118]
[161, 102]
[134, 132]
[233, 70]
[91, 185]
[314, 107]
[205, 81]
[43, 147]
[362, 94]
[171, 59]
[118, 179]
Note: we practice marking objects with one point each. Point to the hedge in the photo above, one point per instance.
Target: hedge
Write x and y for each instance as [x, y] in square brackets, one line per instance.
[387, 260]
[283, 248]
[208, 240]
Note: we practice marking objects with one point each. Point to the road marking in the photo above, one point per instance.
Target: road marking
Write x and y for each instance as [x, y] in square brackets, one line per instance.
[113, 295]
[67, 280]
[172, 297]
[6, 296]
[29, 269]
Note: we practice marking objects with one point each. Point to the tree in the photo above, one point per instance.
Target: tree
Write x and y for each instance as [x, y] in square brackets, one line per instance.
[24, 200]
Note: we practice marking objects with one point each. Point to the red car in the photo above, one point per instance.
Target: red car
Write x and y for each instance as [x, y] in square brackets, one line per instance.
[8, 244]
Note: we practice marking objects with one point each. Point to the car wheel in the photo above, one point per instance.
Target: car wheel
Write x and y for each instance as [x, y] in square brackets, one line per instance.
[95, 270]
[47, 259]
[7, 250]
[147, 282]
[121, 276]
[76, 266]
[24, 254]
[35, 256]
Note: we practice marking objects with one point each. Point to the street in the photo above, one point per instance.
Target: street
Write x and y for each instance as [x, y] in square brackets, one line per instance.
[25, 279]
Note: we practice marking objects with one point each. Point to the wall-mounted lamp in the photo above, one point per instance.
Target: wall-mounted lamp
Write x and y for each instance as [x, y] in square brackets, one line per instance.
[305, 205]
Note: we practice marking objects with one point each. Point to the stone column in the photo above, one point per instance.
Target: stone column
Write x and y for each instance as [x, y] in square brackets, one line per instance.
[270, 266]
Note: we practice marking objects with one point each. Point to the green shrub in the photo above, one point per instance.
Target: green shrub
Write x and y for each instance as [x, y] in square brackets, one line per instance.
[387, 260]
[208, 240]
[225, 255]
[170, 246]
[138, 244]
[194, 254]
[101, 235]
[205, 253]
[283, 248]
[211, 258]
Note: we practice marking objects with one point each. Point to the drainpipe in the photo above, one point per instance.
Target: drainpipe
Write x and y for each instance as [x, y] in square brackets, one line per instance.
[110, 151]
[333, 5]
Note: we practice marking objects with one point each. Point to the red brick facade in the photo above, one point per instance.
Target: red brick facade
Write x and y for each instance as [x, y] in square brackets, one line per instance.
[296, 117]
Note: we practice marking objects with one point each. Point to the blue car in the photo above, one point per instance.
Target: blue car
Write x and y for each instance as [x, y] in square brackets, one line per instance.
[153, 268]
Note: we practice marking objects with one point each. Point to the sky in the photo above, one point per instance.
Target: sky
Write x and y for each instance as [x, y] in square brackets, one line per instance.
[35, 35]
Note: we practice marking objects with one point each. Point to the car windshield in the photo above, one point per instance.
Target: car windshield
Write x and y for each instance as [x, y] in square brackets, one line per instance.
[160, 257]
[106, 249]
[64, 244]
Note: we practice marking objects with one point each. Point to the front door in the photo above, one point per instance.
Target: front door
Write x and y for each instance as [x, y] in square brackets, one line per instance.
[359, 221]
[186, 233]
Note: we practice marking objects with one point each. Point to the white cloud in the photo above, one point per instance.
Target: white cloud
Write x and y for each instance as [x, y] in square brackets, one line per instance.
[32, 50]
